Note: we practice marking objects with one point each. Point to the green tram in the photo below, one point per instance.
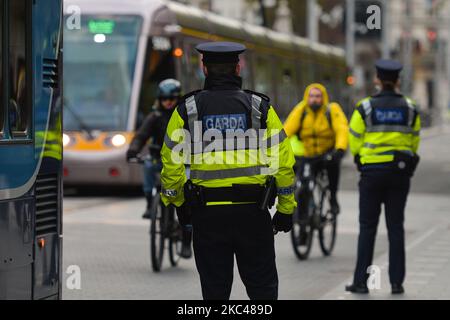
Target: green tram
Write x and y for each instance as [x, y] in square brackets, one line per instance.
[115, 61]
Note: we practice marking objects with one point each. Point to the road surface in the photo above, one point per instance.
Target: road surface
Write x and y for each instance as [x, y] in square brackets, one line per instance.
[106, 237]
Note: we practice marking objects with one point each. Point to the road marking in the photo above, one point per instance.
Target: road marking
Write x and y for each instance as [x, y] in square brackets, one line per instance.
[421, 274]
[385, 263]
[72, 206]
[421, 239]
[430, 260]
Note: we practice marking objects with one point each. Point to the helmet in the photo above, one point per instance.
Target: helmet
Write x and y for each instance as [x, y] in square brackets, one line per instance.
[169, 88]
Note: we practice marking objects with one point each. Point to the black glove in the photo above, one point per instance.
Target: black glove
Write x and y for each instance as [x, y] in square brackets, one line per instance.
[184, 215]
[131, 154]
[282, 222]
[338, 155]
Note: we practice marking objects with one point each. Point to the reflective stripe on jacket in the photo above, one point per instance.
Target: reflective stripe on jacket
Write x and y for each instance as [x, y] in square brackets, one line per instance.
[222, 162]
[383, 124]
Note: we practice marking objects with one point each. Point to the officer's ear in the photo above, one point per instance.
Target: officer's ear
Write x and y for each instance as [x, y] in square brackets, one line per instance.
[238, 69]
[377, 82]
[205, 70]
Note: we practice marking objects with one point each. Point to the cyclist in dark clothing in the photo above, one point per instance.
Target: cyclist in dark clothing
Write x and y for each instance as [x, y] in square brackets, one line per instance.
[154, 128]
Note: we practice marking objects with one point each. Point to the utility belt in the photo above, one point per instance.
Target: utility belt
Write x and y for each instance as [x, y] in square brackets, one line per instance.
[264, 196]
[403, 162]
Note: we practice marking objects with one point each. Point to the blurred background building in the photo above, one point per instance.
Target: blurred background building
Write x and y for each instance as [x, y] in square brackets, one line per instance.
[416, 32]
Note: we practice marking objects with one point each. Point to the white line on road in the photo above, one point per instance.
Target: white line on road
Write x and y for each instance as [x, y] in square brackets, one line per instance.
[421, 239]
[383, 262]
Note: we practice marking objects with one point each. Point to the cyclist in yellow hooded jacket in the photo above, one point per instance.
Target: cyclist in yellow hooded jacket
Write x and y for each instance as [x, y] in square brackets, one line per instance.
[323, 128]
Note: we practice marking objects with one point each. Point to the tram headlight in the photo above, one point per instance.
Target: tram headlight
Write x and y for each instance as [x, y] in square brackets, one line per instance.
[66, 140]
[99, 38]
[118, 140]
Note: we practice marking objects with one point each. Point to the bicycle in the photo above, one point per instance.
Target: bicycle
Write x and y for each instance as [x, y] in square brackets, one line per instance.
[314, 193]
[163, 224]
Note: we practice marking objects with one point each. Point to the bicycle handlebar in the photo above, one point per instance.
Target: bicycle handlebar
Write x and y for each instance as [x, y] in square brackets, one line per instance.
[139, 159]
[324, 157]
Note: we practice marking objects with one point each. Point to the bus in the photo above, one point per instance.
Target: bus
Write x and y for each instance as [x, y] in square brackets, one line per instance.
[31, 149]
[122, 50]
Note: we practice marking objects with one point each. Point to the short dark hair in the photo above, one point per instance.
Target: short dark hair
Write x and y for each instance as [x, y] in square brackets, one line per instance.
[221, 68]
[389, 84]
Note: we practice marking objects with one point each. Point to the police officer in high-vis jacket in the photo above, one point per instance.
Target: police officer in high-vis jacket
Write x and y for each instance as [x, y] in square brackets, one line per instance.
[384, 138]
[240, 161]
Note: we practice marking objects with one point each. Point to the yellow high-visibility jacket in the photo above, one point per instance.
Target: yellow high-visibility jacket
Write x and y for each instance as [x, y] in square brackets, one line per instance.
[377, 131]
[225, 168]
[318, 131]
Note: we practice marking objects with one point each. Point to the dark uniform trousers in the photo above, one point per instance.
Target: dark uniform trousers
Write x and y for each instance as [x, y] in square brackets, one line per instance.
[222, 232]
[390, 188]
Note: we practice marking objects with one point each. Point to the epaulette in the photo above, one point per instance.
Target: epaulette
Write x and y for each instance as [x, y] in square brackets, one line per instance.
[190, 94]
[360, 107]
[181, 107]
[411, 102]
[261, 95]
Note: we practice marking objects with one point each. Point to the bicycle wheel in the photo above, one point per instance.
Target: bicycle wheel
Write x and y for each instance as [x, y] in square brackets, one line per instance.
[328, 224]
[157, 233]
[302, 231]
[175, 238]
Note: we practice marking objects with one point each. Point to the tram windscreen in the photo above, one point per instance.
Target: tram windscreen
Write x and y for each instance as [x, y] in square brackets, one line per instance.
[99, 63]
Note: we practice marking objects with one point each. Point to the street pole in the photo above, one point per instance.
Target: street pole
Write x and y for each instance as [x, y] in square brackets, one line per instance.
[350, 33]
[263, 13]
[313, 23]
[440, 94]
[350, 43]
[386, 51]
[407, 53]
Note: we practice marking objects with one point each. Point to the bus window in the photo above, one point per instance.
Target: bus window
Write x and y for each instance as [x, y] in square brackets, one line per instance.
[2, 104]
[159, 66]
[19, 108]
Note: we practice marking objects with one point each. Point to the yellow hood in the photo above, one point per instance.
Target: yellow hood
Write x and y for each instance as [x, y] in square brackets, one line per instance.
[326, 99]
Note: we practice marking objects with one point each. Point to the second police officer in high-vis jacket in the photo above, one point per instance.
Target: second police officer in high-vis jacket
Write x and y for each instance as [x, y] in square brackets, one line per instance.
[240, 161]
[384, 138]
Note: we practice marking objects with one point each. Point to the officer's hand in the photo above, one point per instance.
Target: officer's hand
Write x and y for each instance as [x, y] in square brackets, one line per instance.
[184, 215]
[282, 222]
[131, 154]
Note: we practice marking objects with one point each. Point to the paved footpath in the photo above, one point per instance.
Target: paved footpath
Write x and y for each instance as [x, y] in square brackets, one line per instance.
[108, 240]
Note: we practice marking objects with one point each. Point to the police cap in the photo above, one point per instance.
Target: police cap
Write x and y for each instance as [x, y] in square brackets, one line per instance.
[221, 52]
[388, 70]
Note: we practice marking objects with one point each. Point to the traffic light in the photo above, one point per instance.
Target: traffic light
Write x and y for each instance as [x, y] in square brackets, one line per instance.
[432, 37]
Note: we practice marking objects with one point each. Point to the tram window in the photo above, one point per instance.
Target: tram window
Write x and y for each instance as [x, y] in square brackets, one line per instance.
[314, 73]
[192, 67]
[19, 111]
[263, 78]
[327, 81]
[245, 62]
[159, 65]
[286, 80]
